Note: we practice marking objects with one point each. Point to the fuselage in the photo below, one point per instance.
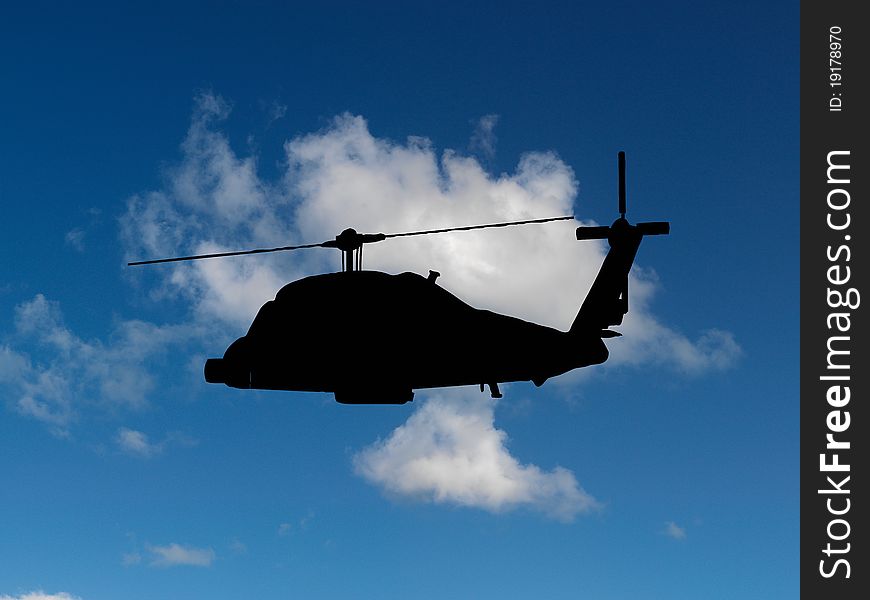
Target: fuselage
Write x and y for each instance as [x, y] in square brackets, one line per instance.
[369, 336]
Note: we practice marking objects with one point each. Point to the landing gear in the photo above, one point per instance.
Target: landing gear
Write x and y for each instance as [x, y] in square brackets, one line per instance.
[493, 389]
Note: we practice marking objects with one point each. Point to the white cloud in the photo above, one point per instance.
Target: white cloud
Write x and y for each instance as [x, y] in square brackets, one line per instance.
[286, 528]
[450, 451]
[215, 201]
[138, 443]
[647, 341]
[343, 176]
[674, 531]
[174, 555]
[61, 373]
[40, 595]
[483, 138]
[76, 239]
[275, 111]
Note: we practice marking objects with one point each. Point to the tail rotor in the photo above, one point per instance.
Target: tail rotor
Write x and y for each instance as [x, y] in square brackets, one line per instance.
[621, 160]
[621, 226]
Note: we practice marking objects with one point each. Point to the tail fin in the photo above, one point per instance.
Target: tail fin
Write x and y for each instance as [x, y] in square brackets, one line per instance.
[607, 301]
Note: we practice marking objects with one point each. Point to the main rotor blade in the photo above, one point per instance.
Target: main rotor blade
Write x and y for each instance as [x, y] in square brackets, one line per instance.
[621, 157]
[364, 238]
[220, 254]
[470, 227]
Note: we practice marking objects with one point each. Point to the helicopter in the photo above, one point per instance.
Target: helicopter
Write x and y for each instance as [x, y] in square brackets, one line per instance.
[370, 337]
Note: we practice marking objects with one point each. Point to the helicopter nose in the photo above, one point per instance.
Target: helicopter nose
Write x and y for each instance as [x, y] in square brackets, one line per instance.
[230, 372]
[214, 370]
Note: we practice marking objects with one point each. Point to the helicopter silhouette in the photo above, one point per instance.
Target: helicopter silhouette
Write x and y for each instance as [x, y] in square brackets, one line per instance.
[373, 338]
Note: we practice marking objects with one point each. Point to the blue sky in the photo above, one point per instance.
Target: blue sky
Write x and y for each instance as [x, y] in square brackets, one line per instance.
[669, 472]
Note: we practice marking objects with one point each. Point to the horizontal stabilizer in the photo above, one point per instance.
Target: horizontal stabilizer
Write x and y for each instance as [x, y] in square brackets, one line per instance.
[593, 233]
[654, 228]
